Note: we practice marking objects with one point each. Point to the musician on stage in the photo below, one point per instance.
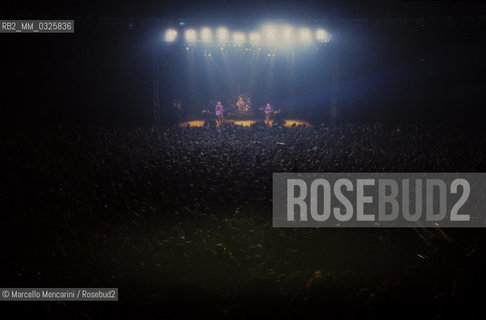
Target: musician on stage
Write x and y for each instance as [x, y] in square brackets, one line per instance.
[268, 112]
[177, 109]
[219, 110]
[240, 104]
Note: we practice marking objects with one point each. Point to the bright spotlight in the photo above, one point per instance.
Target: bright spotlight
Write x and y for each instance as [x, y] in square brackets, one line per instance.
[270, 33]
[239, 37]
[288, 34]
[222, 34]
[322, 35]
[206, 35]
[255, 37]
[190, 35]
[305, 35]
[170, 35]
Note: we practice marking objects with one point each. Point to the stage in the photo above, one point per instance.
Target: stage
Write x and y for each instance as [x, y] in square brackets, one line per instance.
[246, 123]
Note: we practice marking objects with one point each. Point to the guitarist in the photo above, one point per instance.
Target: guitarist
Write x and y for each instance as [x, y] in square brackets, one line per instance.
[219, 110]
[268, 112]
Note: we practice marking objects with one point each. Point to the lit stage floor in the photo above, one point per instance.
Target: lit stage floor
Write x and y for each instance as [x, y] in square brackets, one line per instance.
[245, 123]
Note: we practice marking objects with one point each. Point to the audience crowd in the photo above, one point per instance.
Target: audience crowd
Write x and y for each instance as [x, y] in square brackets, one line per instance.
[179, 219]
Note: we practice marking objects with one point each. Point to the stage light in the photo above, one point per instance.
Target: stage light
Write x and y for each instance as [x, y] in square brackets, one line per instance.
[255, 37]
[305, 35]
[190, 35]
[239, 37]
[270, 33]
[206, 35]
[222, 34]
[170, 35]
[322, 35]
[287, 34]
